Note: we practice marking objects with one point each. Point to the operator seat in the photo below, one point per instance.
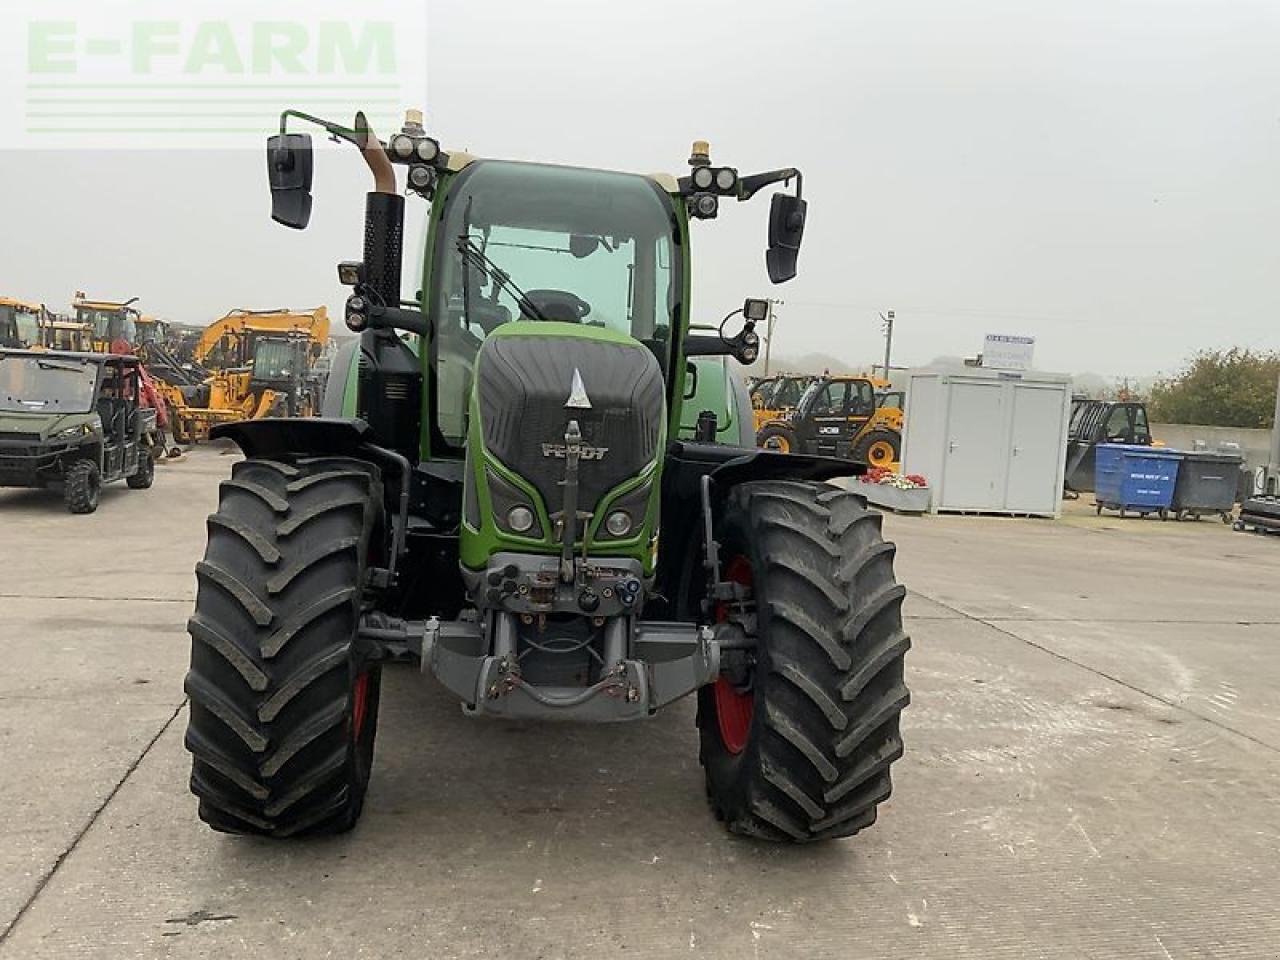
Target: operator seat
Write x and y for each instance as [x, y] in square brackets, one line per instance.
[109, 409]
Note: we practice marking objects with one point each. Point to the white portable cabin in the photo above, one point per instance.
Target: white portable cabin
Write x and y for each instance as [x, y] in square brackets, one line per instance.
[988, 441]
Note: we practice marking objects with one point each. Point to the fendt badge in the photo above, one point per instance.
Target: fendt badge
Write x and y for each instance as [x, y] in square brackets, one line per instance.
[561, 451]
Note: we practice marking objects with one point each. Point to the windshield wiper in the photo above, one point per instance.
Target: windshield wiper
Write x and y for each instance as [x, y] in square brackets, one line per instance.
[473, 256]
[47, 365]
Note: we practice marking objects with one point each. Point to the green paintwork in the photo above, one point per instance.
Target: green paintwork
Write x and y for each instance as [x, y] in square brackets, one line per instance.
[351, 391]
[714, 393]
[45, 424]
[477, 546]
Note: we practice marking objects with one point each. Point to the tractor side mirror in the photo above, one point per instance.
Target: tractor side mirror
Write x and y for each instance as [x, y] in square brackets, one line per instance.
[786, 230]
[289, 166]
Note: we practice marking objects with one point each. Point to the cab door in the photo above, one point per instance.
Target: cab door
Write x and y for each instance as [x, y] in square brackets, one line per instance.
[830, 417]
[860, 406]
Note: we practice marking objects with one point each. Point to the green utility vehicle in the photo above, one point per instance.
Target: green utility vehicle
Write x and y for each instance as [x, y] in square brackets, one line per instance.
[504, 497]
[74, 420]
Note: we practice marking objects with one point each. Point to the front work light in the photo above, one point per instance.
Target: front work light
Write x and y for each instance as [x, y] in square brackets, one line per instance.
[755, 311]
[704, 205]
[402, 146]
[618, 523]
[520, 519]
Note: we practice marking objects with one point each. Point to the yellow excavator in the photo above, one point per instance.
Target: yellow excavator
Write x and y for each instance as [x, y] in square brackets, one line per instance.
[247, 365]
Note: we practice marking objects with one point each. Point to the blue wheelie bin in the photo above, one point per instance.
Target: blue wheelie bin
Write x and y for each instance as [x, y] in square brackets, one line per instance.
[1135, 479]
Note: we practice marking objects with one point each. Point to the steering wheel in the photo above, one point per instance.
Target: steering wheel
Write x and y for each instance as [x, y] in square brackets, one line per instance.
[559, 305]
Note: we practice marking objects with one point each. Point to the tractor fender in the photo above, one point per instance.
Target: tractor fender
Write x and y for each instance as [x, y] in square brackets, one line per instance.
[686, 464]
[761, 464]
[317, 436]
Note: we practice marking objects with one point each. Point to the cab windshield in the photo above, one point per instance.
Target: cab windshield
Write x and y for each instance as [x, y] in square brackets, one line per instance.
[273, 359]
[19, 322]
[46, 385]
[109, 324]
[526, 241]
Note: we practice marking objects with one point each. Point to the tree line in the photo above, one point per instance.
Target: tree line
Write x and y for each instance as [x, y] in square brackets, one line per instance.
[1222, 388]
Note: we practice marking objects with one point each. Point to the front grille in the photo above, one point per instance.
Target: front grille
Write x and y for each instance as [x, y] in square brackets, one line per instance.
[523, 383]
[9, 436]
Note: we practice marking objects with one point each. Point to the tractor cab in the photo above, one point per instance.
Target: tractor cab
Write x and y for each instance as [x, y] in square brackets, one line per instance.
[1101, 421]
[281, 364]
[831, 414]
[150, 330]
[63, 334]
[108, 322]
[20, 323]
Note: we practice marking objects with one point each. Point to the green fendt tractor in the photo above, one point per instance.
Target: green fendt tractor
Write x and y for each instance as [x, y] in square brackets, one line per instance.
[506, 500]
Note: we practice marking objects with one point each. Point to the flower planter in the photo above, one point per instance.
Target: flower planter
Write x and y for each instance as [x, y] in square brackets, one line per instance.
[884, 495]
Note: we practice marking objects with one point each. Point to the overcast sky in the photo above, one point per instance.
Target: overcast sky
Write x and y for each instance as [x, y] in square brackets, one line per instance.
[1101, 174]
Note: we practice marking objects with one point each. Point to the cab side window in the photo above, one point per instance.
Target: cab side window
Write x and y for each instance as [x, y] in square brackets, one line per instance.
[1141, 429]
[1119, 428]
[862, 399]
[830, 400]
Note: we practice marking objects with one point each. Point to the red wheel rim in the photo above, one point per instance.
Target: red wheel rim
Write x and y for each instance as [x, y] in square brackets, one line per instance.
[734, 707]
[359, 704]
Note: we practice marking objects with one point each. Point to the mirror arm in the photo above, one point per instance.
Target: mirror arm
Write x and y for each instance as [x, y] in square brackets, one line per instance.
[335, 131]
[748, 187]
[744, 347]
[372, 149]
[706, 345]
[395, 318]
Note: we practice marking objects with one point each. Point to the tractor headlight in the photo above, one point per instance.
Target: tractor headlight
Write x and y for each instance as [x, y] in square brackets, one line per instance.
[703, 177]
[70, 433]
[705, 205]
[357, 316]
[520, 519]
[726, 179]
[618, 523]
[427, 150]
[402, 146]
[421, 177]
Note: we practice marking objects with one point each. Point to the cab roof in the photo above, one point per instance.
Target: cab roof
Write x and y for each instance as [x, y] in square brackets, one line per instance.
[104, 305]
[21, 304]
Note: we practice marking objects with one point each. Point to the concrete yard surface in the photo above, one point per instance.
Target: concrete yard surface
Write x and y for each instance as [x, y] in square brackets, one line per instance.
[1092, 770]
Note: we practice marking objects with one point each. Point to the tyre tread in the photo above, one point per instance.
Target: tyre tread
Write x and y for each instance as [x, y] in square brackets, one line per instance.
[274, 657]
[831, 690]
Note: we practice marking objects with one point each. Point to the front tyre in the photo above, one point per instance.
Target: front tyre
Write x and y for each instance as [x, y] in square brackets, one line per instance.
[284, 705]
[798, 740]
[82, 486]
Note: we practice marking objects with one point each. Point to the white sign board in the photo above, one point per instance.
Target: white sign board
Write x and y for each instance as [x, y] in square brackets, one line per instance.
[1005, 352]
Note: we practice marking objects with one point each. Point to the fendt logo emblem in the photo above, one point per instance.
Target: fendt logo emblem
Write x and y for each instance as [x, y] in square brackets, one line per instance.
[561, 451]
[578, 399]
